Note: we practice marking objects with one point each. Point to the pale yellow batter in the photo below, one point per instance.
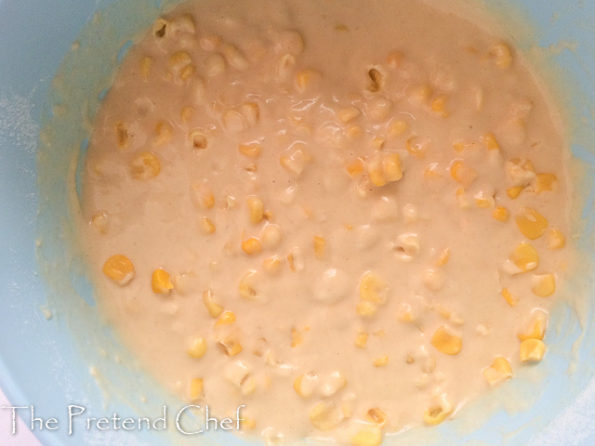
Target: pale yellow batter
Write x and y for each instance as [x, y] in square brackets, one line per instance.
[348, 216]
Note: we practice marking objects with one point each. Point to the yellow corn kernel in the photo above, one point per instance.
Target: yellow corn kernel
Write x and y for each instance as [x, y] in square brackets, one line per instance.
[230, 346]
[509, 298]
[366, 309]
[514, 191]
[397, 128]
[391, 167]
[305, 78]
[297, 337]
[544, 285]
[251, 111]
[437, 413]
[204, 196]
[272, 265]
[525, 257]
[186, 114]
[501, 214]
[461, 146]
[207, 226]
[355, 168]
[535, 329]
[502, 55]
[163, 133]
[420, 94]
[372, 288]
[226, 318]
[319, 246]
[376, 416]
[212, 307]
[555, 239]
[444, 257]
[119, 268]
[325, 416]
[375, 173]
[348, 114]
[361, 339]
[246, 287]
[145, 166]
[531, 223]
[252, 246]
[197, 348]
[462, 173]
[198, 139]
[544, 182]
[438, 106]
[532, 350]
[146, 64]
[381, 361]
[446, 342]
[100, 221]
[367, 436]
[416, 147]
[179, 59]
[432, 171]
[500, 370]
[378, 142]
[196, 388]
[256, 209]
[122, 135]
[305, 384]
[187, 72]
[484, 201]
[296, 161]
[251, 150]
[161, 282]
[490, 142]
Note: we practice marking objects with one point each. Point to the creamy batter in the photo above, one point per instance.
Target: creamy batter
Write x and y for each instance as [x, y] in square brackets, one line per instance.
[348, 216]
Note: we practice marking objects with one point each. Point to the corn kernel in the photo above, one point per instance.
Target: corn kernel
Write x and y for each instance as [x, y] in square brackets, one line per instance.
[196, 388]
[145, 166]
[438, 106]
[256, 209]
[416, 147]
[251, 150]
[446, 342]
[348, 114]
[186, 114]
[234, 57]
[230, 346]
[100, 221]
[187, 72]
[163, 133]
[119, 268]
[544, 182]
[207, 226]
[375, 173]
[355, 168]
[252, 246]
[366, 309]
[490, 142]
[376, 416]
[197, 348]
[305, 385]
[297, 337]
[297, 160]
[381, 361]
[525, 257]
[391, 167]
[251, 111]
[501, 214]
[145, 67]
[535, 329]
[179, 59]
[226, 318]
[544, 285]
[532, 350]
[500, 370]
[212, 307]
[514, 191]
[361, 339]
[160, 28]
[247, 286]
[122, 135]
[372, 288]
[397, 128]
[272, 265]
[214, 65]
[305, 78]
[247, 424]
[367, 436]
[509, 298]
[319, 246]
[332, 384]
[531, 223]
[271, 236]
[437, 413]
[161, 282]
[502, 55]
[462, 173]
[325, 416]
[198, 140]
[555, 239]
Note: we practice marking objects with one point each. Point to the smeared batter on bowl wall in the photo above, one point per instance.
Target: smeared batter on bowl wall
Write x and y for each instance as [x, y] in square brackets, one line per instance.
[350, 218]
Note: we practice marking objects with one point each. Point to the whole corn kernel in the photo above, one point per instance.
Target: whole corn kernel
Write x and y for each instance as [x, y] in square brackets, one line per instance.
[500, 370]
[490, 142]
[305, 385]
[212, 307]
[255, 209]
[145, 166]
[367, 436]
[332, 384]
[203, 196]
[197, 347]
[230, 346]
[532, 350]
[438, 106]
[502, 55]
[348, 114]
[397, 128]
[355, 168]
[366, 308]
[306, 78]
[544, 182]
[446, 342]
[271, 236]
[544, 285]
[226, 318]
[325, 416]
[416, 147]
[186, 114]
[319, 244]
[501, 214]
[555, 239]
[531, 223]
[119, 268]
[207, 226]
[509, 298]
[525, 257]
[437, 413]
[535, 328]
[391, 167]
[376, 416]
[196, 389]
[251, 150]
[163, 133]
[361, 339]
[296, 160]
[462, 173]
[272, 265]
[251, 246]
[248, 285]
[372, 288]
[251, 111]
[198, 139]
[381, 361]
[161, 282]
[100, 221]
[514, 191]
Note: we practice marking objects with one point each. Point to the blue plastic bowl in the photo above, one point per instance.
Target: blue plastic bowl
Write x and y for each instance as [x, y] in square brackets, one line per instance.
[73, 358]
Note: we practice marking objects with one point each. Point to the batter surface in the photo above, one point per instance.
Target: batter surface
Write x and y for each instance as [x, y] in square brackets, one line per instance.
[348, 216]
